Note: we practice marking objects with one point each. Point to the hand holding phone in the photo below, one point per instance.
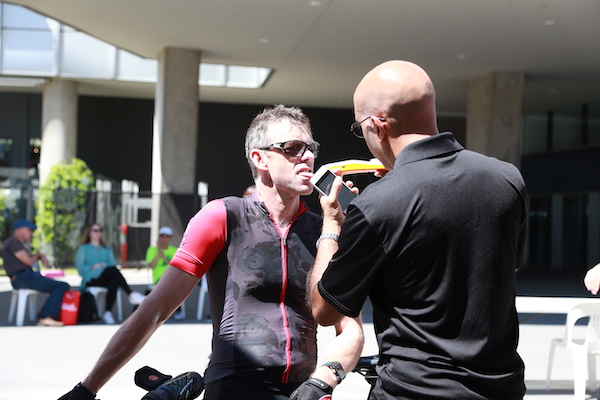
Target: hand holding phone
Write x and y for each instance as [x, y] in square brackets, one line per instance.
[322, 181]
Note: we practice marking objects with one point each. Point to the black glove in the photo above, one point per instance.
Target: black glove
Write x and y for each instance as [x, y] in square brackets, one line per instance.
[79, 392]
[312, 389]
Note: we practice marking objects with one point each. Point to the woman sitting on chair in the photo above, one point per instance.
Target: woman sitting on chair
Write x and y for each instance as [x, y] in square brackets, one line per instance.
[96, 265]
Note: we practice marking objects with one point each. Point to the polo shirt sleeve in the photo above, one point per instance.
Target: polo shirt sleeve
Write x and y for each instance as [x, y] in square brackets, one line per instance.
[203, 240]
[13, 247]
[349, 278]
[11, 263]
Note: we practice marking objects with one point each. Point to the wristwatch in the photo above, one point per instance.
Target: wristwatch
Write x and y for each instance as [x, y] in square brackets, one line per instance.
[327, 235]
[337, 369]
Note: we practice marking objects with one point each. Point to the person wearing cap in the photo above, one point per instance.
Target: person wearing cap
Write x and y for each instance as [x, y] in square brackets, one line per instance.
[159, 256]
[19, 262]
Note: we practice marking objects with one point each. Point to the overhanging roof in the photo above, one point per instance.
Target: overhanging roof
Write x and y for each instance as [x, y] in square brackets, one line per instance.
[321, 49]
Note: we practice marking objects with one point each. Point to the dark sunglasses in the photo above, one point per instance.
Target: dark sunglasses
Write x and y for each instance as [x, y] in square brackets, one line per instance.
[357, 129]
[165, 236]
[97, 230]
[294, 148]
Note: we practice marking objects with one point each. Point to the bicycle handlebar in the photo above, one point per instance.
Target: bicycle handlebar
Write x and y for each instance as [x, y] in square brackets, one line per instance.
[366, 367]
[189, 385]
[186, 386]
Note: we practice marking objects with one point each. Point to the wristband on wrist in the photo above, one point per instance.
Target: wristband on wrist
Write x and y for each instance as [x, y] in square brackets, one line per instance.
[337, 369]
[327, 235]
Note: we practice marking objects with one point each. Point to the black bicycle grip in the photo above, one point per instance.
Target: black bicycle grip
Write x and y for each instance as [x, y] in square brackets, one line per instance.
[186, 386]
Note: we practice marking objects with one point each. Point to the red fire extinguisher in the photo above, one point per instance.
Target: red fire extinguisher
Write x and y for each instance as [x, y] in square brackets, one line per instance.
[70, 307]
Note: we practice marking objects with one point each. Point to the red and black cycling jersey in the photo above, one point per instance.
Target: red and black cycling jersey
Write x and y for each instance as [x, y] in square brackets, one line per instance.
[262, 326]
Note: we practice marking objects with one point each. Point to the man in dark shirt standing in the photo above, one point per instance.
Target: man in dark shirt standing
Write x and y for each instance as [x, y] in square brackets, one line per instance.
[18, 263]
[434, 244]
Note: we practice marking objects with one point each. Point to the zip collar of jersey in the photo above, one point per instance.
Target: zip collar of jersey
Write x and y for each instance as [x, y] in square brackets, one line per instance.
[301, 209]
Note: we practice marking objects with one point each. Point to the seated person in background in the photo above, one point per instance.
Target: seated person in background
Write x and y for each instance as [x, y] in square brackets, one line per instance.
[96, 265]
[592, 279]
[159, 256]
[18, 262]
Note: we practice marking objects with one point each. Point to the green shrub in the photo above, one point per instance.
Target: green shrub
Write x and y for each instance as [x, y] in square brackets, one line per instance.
[61, 209]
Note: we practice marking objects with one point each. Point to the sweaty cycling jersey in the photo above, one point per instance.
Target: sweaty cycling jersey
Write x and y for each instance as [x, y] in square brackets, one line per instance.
[262, 326]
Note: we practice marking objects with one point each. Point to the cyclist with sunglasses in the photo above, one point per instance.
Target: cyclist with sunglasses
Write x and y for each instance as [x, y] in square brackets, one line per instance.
[434, 244]
[256, 252]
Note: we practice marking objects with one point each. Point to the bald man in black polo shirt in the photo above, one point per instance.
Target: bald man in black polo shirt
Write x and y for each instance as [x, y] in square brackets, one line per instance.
[434, 245]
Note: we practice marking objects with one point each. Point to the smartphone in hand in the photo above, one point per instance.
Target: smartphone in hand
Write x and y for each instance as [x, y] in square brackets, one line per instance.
[322, 181]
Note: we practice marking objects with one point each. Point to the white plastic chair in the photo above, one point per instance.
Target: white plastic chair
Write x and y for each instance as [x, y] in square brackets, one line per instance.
[99, 294]
[202, 299]
[584, 350]
[18, 304]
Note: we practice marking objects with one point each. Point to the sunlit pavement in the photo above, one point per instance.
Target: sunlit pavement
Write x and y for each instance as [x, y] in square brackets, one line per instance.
[44, 363]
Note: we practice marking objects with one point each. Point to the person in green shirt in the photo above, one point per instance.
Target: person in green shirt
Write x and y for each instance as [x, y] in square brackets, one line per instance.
[159, 256]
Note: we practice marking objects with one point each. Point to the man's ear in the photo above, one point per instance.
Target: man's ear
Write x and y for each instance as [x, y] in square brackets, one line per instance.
[258, 157]
[381, 129]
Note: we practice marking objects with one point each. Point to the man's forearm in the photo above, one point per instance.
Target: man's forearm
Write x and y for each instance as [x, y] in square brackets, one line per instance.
[44, 259]
[322, 311]
[172, 289]
[153, 263]
[126, 343]
[346, 348]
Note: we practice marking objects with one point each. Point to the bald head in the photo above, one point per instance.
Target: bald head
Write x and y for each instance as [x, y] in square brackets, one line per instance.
[403, 93]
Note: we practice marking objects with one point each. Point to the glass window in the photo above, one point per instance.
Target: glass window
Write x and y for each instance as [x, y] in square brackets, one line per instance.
[246, 77]
[567, 128]
[134, 68]
[35, 145]
[27, 52]
[212, 75]
[85, 56]
[593, 136]
[5, 147]
[535, 138]
[263, 75]
[241, 77]
[21, 17]
[540, 219]
[574, 231]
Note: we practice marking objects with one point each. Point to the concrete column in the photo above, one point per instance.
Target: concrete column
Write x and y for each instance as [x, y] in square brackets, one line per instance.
[59, 124]
[494, 115]
[175, 135]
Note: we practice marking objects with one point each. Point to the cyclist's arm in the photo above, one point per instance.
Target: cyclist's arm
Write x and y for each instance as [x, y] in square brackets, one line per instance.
[345, 348]
[172, 289]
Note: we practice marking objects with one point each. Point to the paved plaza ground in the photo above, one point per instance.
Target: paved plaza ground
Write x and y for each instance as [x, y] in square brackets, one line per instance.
[43, 363]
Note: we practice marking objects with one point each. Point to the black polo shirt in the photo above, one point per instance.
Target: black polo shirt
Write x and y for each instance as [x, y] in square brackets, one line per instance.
[435, 244]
